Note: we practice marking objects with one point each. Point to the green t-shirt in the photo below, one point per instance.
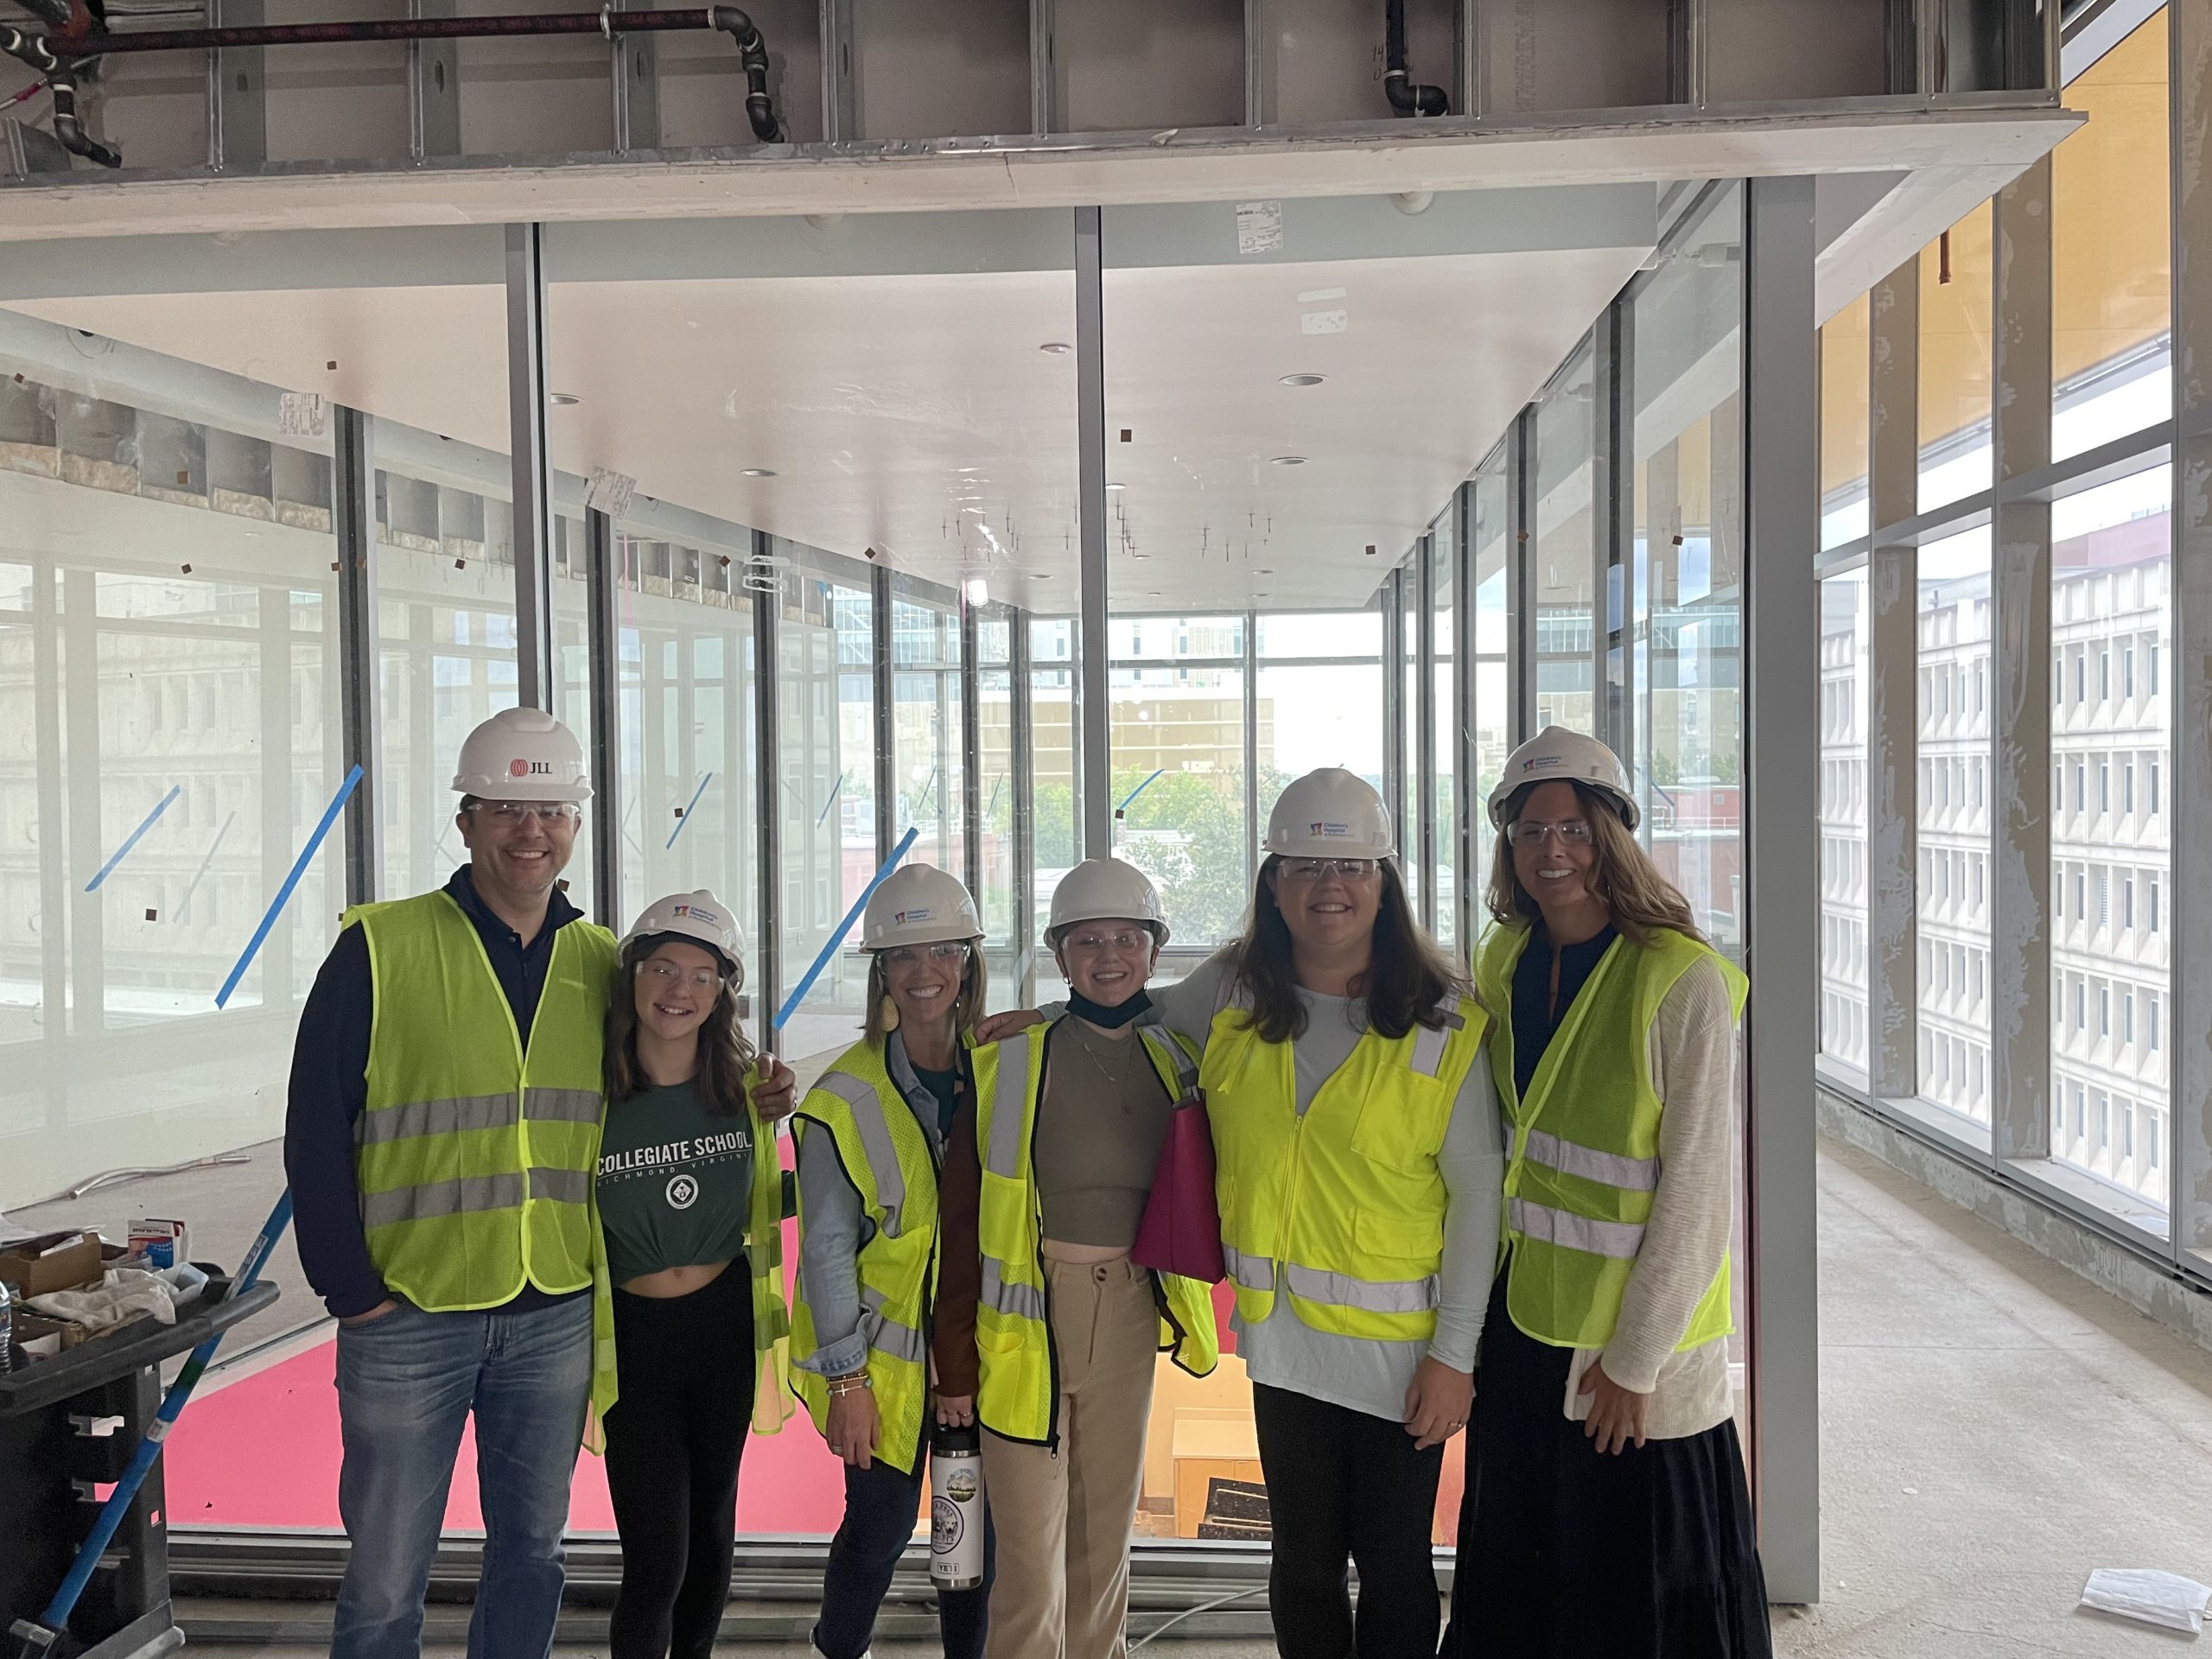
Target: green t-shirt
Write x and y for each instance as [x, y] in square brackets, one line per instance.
[675, 1182]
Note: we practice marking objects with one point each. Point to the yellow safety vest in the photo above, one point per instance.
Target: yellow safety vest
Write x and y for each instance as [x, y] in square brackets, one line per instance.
[1343, 1205]
[771, 1324]
[1583, 1160]
[475, 1158]
[1018, 1396]
[892, 1164]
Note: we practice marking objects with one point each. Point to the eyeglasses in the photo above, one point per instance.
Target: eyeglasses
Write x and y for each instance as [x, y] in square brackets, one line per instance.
[510, 815]
[1315, 869]
[907, 955]
[667, 974]
[1570, 832]
[1129, 938]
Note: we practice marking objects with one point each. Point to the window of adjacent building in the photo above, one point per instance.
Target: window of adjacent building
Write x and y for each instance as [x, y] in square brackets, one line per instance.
[2111, 262]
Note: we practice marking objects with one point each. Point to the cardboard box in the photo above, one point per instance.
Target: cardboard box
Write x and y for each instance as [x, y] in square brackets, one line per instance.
[39, 1267]
[27, 1327]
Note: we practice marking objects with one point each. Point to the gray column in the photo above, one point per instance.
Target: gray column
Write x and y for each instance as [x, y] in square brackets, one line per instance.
[353, 519]
[602, 652]
[768, 946]
[1091, 644]
[1892, 692]
[884, 694]
[2018, 801]
[2190, 36]
[1781, 412]
[533, 510]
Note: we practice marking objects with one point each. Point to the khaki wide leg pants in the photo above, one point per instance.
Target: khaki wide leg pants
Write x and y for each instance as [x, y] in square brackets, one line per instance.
[1064, 1516]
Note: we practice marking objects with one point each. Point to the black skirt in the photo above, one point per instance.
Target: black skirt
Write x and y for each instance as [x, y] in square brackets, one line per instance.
[1566, 1552]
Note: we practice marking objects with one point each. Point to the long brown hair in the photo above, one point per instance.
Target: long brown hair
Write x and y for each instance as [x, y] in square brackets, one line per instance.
[1407, 975]
[725, 1056]
[967, 1008]
[1622, 876]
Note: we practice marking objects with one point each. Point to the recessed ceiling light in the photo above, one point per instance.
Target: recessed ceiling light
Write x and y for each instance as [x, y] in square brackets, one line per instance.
[1287, 460]
[758, 472]
[1266, 572]
[562, 399]
[1117, 486]
[1304, 379]
[1056, 347]
[1044, 575]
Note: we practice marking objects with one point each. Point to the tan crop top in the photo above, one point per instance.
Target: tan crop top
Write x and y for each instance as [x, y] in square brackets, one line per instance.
[1099, 1130]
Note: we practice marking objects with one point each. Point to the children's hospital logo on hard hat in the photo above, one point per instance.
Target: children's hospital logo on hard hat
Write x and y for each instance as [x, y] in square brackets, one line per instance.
[1325, 828]
[1540, 762]
[921, 914]
[697, 913]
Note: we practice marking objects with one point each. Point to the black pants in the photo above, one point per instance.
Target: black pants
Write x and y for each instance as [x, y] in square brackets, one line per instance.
[1343, 1484]
[881, 1506]
[1567, 1551]
[673, 1442]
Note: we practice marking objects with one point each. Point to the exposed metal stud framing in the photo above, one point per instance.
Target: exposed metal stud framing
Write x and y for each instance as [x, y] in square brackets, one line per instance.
[1044, 82]
[2190, 25]
[433, 87]
[1469, 95]
[237, 91]
[1092, 644]
[1612, 521]
[602, 652]
[887, 725]
[1260, 63]
[971, 749]
[1893, 690]
[1462, 722]
[1779, 414]
[767, 948]
[841, 114]
[2020, 723]
[1688, 41]
[1424, 725]
[1023, 762]
[633, 65]
[353, 522]
[533, 480]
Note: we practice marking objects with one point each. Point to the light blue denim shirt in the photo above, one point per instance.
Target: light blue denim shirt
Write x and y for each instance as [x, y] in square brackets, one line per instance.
[834, 1227]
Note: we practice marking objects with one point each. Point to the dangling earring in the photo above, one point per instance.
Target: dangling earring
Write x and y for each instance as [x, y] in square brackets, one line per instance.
[890, 1014]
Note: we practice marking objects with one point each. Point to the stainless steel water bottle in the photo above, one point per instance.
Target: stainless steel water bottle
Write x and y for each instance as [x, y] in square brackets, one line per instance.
[955, 1508]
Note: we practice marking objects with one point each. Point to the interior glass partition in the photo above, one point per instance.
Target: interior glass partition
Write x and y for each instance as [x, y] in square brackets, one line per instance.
[1006, 791]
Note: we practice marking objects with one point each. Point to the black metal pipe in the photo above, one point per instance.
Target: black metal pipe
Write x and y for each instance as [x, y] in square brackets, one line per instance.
[1397, 84]
[59, 14]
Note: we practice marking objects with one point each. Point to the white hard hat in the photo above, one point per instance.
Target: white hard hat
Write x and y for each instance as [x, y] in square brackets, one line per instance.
[1557, 754]
[699, 917]
[918, 904]
[1330, 813]
[1106, 889]
[522, 754]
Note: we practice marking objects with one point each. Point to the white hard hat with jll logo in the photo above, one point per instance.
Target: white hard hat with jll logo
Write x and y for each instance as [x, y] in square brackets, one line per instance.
[522, 754]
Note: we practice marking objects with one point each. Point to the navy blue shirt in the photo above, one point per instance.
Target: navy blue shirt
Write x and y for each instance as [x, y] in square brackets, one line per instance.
[330, 1089]
[1535, 1022]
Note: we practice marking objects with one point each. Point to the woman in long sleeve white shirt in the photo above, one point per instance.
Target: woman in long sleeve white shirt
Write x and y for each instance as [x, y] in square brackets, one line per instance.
[1606, 1509]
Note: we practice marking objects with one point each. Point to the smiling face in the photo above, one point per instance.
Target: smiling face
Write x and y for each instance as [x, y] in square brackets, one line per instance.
[1107, 961]
[675, 988]
[923, 980]
[1328, 911]
[517, 850]
[1555, 871]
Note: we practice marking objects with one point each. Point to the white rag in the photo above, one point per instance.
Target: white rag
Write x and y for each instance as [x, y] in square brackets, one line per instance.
[122, 1295]
[2166, 1599]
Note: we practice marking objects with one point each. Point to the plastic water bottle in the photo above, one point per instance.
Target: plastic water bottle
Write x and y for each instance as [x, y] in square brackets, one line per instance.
[955, 1508]
[7, 1323]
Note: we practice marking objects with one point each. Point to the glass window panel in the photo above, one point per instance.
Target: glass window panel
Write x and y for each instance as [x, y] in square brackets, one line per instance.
[1493, 733]
[1405, 813]
[925, 721]
[1846, 391]
[1444, 805]
[1844, 687]
[1953, 643]
[1956, 360]
[1001, 793]
[2111, 560]
[2112, 257]
[1565, 559]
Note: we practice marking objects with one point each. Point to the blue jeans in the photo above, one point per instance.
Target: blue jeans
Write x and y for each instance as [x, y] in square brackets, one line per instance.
[881, 1507]
[407, 1382]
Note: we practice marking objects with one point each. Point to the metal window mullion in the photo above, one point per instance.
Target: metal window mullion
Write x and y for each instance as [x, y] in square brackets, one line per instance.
[532, 474]
[1251, 749]
[1393, 699]
[603, 695]
[1464, 663]
[354, 521]
[1092, 644]
[1613, 516]
[1424, 768]
[1520, 574]
[1024, 761]
[971, 749]
[2189, 994]
[883, 689]
[237, 91]
[2018, 799]
[1780, 419]
[768, 804]
[1892, 691]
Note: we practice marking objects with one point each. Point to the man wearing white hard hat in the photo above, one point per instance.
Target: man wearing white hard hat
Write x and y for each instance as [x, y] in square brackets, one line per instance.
[690, 1224]
[440, 1137]
[1037, 1260]
[872, 1135]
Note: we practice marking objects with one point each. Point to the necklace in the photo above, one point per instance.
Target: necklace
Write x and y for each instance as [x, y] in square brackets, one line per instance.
[1115, 1079]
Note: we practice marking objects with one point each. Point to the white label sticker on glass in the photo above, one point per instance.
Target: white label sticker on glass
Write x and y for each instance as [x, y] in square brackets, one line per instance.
[1259, 227]
[609, 492]
[303, 413]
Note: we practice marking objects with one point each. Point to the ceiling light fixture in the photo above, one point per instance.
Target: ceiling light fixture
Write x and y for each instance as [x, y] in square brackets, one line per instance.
[979, 593]
[562, 399]
[758, 472]
[1055, 348]
[1304, 379]
[1287, 460]
[1117, 484]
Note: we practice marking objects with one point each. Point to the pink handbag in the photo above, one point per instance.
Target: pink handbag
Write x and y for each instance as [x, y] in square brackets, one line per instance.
[1181, 1229]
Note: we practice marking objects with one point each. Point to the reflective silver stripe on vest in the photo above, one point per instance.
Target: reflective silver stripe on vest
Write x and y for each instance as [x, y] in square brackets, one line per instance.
[1608, 1168]
[563, 1105]
[468, 1195]
[561, 1185]
[1618, 1240]
[882, 1332]
[1368, 1296]
[1186, 1074]
[1009, 1106]
[456, 1117]
[1020, 1301]
[1250, 1272]
[1428, 1045]
[875, 1143]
